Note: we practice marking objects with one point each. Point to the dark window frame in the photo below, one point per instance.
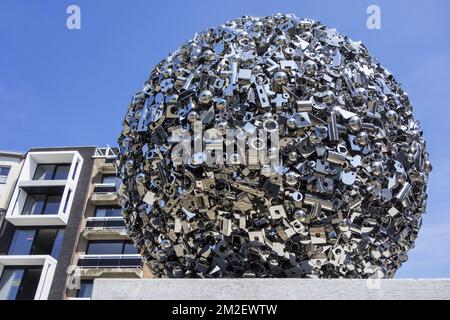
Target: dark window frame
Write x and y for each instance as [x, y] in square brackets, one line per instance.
[78, 293]
[45, 203]
[12, 239]
[25, 271]
[55, 169]
[106, 207]
[36, 229]
[124, 242]
[74, 173]
[3, 180]
[66, 203]
[108, 176]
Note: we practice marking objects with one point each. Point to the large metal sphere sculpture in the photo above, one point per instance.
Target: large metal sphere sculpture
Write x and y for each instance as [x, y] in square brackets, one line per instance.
[338, 186]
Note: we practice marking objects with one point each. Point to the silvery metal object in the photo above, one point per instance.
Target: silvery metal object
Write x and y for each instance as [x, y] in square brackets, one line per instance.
[344, 200]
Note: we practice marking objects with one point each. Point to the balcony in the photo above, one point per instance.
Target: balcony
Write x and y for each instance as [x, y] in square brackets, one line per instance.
[109, 166]
[111, 266]
[46, 262]
[50, 173]
[102, 228]
[104, 194]
[43, 186]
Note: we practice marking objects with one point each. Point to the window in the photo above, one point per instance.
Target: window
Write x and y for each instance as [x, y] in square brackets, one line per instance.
[4, 171]
[22, 242]
[109, 178]
[105, 247]
[57, 243]
[35, 204]
[61, 172]
[10, 283]
[66, 204]
[75, 170]
[41, 204]
[52, 205]
[85, 290]
[129, 248]
[111, 247]
[30, 282]
[52, 172]
[44, 241]
[19, 283]
[108, 211]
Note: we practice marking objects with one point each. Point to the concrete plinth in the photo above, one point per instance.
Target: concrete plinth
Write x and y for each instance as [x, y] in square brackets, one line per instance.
[269, 289]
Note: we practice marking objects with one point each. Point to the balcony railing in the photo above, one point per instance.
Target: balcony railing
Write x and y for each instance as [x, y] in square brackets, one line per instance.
[107, 228]
[110, 261]
[104, 193]
[105, 188]
[105, 223]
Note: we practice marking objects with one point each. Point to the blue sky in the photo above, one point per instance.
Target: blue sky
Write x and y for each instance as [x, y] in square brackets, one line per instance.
[60, 87]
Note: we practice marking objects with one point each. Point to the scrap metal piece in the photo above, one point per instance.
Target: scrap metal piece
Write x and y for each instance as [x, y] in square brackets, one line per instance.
[262, 96]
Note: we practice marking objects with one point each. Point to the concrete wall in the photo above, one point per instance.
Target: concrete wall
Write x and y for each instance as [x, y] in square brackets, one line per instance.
[82, 243]
[89, 211]
[13, 160]
[270, 289]
[73, 224]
